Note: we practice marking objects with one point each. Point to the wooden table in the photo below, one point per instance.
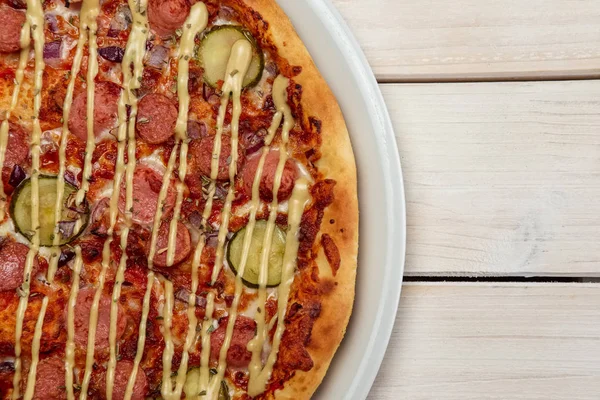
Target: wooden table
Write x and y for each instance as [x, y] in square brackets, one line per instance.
[496, 108]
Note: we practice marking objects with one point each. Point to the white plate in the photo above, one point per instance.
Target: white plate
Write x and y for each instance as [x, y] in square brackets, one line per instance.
[381, 196]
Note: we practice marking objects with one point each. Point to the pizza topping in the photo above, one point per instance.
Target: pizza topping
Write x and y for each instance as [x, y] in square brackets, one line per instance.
[84, 312]
[13, 256]
[215, 52]
[166, 16]
[146, 188]
[192, 387]
[275, 180]
[260, 376]
[121, 21]
[123, 370]
[332, 253]
[17, 148]
[112, 53]
[17, 176]
[158, 57]
[200, 157]
[183, 245]
[254, 251]
[106, 97]
[238, 355]
[156, 118]
[50, 380]
[73, 218]
[288, 176]
[11, 21]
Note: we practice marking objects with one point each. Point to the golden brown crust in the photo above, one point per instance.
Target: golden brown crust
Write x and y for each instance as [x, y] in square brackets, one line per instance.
[340, 221]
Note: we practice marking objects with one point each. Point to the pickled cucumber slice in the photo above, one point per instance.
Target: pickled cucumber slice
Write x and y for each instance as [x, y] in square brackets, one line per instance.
[252, 269]
[69, 228]
[216, 48]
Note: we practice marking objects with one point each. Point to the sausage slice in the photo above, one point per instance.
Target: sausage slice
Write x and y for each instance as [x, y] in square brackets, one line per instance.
[238, 355]
[146, 188]
[50, 379]
[200, 157]
[183, 244]
[166, 16]
[106, 97]
[156, 118]
[83, 308]
[13, 257]
[267, 182]
[11, 22]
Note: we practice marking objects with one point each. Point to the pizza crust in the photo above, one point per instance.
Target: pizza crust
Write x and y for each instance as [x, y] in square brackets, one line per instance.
[337, 162]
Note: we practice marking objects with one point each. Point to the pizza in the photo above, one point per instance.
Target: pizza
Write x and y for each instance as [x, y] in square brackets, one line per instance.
[178, 203]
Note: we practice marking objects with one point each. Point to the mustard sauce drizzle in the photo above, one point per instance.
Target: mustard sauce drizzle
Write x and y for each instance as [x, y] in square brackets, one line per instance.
[35, 22]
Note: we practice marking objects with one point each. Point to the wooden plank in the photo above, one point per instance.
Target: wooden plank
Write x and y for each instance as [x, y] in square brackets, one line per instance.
[501, 178]
[494, 342]
[408, 40]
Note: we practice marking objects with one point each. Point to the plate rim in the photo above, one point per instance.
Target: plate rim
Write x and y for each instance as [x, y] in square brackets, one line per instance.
[395, 201]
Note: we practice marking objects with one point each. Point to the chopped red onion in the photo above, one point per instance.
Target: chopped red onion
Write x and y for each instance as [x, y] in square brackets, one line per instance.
[51, 22]
[207, 91]
[158, 57]
[195, 219]
[65, 256]
[253, 141]
[196, 130]
[112, 53]
[52, 50]
[16, 176]
[120, 22]
[212, 239]
[66, 228]
[183, 295]
[71, 179]
[73, 206]
[272, 68]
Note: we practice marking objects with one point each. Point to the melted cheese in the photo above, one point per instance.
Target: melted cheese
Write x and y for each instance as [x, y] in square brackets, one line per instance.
[35, 21]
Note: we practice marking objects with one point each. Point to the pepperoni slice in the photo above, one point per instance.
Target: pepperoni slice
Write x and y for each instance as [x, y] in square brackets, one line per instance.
[156, 118]
[183, 244]
[267, 182]
[11, 21]
[200, 157]
[238, 355]
[106, 97]
[85, 299]
[122, 372]
[13, 257]
[166, 16]
[50, 379]
[146, 188]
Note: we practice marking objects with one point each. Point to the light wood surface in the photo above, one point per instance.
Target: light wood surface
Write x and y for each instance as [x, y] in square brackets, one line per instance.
[494, 342]
[501, 178]
[433, 40]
